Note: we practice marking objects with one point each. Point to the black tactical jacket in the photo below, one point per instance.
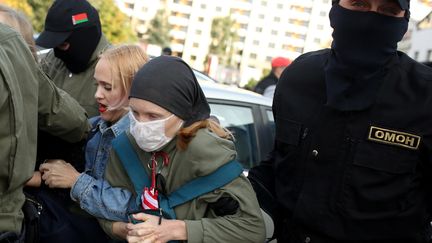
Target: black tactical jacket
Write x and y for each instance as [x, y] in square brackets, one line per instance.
[356, 175]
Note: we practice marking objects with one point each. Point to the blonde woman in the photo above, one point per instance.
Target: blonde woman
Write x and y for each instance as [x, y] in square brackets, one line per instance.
[113, 76]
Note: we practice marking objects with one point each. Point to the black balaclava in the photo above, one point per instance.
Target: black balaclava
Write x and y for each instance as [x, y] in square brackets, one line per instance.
[364, 44]
[83, 43]
[170, 83]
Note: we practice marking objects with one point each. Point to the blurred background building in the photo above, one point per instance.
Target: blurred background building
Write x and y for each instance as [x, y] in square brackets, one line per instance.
[232, 40]
[421, 40]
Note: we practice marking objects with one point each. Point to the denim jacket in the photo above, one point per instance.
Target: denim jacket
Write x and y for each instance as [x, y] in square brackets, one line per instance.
[94, 194]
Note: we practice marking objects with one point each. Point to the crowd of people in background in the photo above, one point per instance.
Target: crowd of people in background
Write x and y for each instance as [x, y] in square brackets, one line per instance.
[100, 144]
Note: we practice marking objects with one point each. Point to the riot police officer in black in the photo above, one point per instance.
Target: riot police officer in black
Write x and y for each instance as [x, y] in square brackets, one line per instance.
[352, 159]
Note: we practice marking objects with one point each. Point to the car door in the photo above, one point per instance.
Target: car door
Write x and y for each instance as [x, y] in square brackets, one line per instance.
[251, 126]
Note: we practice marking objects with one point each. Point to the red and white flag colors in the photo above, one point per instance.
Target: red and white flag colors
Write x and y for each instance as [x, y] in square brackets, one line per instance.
[149, 198]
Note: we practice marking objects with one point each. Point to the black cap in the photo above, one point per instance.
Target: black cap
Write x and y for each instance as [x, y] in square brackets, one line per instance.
[167, 51]
[65, 16]
[404, 4]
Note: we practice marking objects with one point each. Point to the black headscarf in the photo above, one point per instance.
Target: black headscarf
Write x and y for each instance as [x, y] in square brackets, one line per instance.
[169, 82]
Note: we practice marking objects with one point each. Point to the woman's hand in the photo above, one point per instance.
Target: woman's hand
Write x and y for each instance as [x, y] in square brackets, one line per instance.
[58, 174]
[119, 229]
[36, 180]
[151, 231]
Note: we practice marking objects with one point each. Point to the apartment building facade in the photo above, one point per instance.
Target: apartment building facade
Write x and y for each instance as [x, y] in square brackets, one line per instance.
[265, 29]
[421, 40]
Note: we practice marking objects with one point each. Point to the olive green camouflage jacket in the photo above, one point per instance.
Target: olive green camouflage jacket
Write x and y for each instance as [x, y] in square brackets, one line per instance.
[28, 101]
[204, 154]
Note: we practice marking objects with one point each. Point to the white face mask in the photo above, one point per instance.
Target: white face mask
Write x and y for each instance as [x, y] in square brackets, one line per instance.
[150, 136]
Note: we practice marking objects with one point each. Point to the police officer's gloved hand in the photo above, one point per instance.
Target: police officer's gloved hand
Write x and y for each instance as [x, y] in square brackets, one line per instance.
[224, 206]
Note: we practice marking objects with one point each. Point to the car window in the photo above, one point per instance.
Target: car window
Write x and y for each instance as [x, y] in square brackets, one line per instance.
[239, 120]
[270, 118]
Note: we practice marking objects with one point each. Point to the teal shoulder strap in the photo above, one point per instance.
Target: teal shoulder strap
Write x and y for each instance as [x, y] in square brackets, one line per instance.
[131, 163]
[201, 185]
[192, 189]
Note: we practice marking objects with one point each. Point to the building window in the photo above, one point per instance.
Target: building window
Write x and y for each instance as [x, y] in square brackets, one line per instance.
[272, 45]
[277, 19]
[298, 22]
[253, 55]
[274, 32]
[201, 19]
[218, 9]
[320, 27]
[280, 6]
[323, 14]
[243, 26]
[193, 58]
[256, 43]
[258, 29]
[263, 3]
[196, 45]
[203, 6]
[198, 32]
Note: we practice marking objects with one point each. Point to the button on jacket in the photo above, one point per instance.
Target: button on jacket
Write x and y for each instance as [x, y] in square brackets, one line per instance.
[354, 175]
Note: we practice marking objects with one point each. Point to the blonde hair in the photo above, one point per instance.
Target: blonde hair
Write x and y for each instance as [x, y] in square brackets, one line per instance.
[124, 60]
[20, 23]
[186, 134]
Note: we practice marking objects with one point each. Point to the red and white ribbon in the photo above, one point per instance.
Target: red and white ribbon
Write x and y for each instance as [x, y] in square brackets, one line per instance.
[149, 199]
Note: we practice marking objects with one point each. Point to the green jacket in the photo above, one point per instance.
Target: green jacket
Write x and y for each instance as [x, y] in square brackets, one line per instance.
[28, 100]
[80, 86]
[205, 153]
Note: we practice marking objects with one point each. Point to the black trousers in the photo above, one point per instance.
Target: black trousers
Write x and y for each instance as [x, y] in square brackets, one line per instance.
[12, 237]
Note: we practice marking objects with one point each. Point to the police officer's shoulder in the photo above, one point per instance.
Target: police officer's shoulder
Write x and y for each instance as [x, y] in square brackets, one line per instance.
[319, 55]
[310, 63]
[414, 68]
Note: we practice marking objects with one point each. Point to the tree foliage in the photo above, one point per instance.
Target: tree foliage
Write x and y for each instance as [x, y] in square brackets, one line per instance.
[223, 35]
[19, 5]
[40, 9]
[158, 31]
[115, 24]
